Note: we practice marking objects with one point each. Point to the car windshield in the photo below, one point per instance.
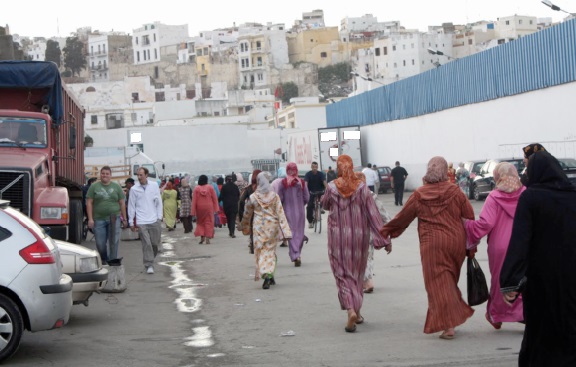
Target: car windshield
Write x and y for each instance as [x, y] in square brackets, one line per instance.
[23, 132]
[567, 163]
[519, 164]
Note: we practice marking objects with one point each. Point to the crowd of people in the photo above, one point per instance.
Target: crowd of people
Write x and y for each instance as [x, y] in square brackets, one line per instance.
[530, 230]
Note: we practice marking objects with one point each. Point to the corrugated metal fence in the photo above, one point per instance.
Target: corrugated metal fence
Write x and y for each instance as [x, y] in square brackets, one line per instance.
[537, 61]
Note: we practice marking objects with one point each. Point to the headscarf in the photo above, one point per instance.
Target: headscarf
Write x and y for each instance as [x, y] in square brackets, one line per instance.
[532, 148]
[254, 181]
[506, 177]
[264, 192]
[437, 170]
[202, 180]
[347, 182]
[291, 175]
[220, 181]
[545, 171]
[184, 182]
[239, 177]
[361, 176]
[229, 178]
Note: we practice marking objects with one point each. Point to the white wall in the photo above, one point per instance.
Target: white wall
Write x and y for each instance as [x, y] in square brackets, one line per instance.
[475, 131]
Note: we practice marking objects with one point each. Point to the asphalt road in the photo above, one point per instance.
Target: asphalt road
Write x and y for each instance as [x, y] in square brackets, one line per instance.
[203, 308]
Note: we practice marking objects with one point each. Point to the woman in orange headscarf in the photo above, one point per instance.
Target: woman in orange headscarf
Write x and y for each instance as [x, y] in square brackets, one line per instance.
[439, 206]
[353, 217]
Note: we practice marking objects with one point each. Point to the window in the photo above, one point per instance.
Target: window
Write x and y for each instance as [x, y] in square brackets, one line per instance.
[403, 62]
[258, 45]
[403, 47]
[134, 117]
[507, 22]
[323, 55]
[260, 77]
[145, 40]
[393, 48]
[385, 50]
[530, 22]
[470, 41]
[413, 63]
[135, 97]
[94, 119]
[136, 38]
[377, 51]
[190, 93]
[155, 54]
[411, 45]
[395, 65]
[519, 21]
[156, 72]
[259, 61]
[137, 56]
[154, 37]
[160, 97]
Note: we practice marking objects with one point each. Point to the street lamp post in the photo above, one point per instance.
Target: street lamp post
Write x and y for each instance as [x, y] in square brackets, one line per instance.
[367, 78]
[440, 53]
[549, 4]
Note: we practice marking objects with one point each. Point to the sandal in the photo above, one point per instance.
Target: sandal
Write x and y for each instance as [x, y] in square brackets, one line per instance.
[369, 290]
[351, 329]
[447, 336]
[359, 320]
[495, 325]
[207, 241]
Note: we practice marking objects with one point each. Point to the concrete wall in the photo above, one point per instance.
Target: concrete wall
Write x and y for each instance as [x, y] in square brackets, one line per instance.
[477, 131]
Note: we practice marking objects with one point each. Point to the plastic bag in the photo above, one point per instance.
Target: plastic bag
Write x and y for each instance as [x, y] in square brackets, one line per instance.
[477, 286]
[116, 277]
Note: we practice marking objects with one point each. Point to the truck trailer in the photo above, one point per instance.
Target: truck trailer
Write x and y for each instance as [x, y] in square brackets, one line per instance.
[42, 147]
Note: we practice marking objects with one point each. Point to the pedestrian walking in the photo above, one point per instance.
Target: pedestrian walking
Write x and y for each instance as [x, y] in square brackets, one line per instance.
[170, 199]
[294, 196]
[145, 216]
[186, 205]
[539, 264]
[353, 217]
[244, 195]
[462, 179]
[330, 175]
[371, 177]
[495, 221]
[398, 176]
[439, 206]
[265, 211]
[205, 208]
[229, 196]
[105, 204]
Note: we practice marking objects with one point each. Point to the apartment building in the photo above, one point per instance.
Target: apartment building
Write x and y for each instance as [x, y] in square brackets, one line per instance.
[149, 41]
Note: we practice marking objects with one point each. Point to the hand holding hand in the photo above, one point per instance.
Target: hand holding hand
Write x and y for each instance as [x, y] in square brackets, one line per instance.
[510, 297]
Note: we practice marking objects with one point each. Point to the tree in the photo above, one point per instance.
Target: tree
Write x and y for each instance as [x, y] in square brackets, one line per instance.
[53, 52]
[333, 80]
[74, 56]
[290, 90]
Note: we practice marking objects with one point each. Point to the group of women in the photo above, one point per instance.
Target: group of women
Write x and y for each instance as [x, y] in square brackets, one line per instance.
[531, 250]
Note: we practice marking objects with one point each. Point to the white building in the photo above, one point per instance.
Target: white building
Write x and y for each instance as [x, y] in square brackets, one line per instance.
[148, 40]
[515, 26]
[37, 51]
[258, 53]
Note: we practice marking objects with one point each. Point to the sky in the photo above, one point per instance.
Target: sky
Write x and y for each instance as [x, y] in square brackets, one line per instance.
[39, 18]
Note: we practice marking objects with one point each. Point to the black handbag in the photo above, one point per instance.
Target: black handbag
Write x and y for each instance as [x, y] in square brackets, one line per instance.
[477, 287]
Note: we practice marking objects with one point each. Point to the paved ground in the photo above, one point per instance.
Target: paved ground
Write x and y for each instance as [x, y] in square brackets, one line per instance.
[203, 308]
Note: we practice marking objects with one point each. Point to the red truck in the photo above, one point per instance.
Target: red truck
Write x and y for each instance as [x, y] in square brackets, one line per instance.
[42, 147]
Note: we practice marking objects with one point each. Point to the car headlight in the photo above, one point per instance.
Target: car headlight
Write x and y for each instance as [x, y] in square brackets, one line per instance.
[47, 212]
[88, 264]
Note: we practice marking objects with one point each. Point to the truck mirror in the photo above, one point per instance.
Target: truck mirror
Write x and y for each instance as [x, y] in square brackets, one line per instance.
[72, 138]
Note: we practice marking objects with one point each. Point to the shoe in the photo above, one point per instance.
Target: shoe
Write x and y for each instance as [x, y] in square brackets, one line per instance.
[359, 320]
[272, 281]
[150, 270]
[369, 290]
[396, 204]
[350, 329]
[266, 284]
[322, 211]
[495, 325]
[447, 336]
[311, 225]
[201, 241]
[297, 262]
[207, 241]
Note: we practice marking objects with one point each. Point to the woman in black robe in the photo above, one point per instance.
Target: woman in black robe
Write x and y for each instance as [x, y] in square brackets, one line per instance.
[541, 264]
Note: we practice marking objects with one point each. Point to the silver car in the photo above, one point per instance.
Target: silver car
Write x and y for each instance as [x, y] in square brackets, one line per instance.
[84, 266]
[34, 293]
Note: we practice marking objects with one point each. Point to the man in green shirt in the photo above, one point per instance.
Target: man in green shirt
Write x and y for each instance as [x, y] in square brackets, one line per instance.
[105, 203]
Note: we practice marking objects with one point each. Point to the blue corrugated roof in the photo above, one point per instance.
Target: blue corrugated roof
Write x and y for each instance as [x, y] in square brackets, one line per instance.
[537, 61]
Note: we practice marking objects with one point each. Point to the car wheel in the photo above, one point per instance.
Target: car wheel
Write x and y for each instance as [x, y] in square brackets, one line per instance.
[76, 225]
[477, 196]
[11, 327]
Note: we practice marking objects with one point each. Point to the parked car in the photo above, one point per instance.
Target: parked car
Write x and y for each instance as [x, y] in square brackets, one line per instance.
[84, 266]
[35, 294]
[483, 183]
[385, 181]
[474, 168]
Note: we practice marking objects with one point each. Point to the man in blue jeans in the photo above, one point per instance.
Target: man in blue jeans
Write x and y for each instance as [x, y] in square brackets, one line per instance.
[104, 206]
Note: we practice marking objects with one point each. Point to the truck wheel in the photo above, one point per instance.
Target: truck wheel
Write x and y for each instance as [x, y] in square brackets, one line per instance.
[11, 327]
[75, 229]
